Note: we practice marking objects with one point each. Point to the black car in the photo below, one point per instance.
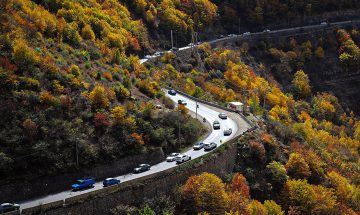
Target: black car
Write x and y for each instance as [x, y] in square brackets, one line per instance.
[7, 207]
[174, 49]
[142, 168]
[182, 102]
[172, 92]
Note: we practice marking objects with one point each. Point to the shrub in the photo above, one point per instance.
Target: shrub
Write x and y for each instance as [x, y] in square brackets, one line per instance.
[297, 166]
[168, 102]
[99, 97]
[108, 76]
[23, 55]
[87, 33]
[71, 35]
[74, 69]
[47, 98]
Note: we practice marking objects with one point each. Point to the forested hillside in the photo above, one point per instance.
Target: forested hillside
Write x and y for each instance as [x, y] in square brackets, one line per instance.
[72, 84]
[69, 85]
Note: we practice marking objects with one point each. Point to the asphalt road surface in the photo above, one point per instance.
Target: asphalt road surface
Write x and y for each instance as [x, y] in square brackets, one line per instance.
[211, 114]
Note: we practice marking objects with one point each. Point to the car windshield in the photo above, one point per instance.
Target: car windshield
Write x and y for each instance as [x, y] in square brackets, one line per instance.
[80, 181]
[173, 154]
[198, 144]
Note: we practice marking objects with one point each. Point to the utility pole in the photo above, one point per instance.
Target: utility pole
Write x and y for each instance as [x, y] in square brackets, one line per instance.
[197, 106]
[172, 39]
[192, 41]
[179, 128]
[77, 154]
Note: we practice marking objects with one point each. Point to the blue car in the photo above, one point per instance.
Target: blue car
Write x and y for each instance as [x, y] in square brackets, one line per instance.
[110, 181]
[83, 183]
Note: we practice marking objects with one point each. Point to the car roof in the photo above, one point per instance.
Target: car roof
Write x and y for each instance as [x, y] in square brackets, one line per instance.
[144, 164]
[108, 179]
[6, 203]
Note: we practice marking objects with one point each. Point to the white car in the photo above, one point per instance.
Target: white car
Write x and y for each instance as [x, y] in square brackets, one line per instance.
[148, 57]
[246, 33]
[227, 132]
[172, 157]
[266, 30]
[182, 158]
[323, 23]
[232, 35]
[191, 44]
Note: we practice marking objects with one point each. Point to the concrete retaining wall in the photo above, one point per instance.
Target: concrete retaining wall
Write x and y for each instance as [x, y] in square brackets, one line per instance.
[221, 163]
[45, 185]
[12, 213]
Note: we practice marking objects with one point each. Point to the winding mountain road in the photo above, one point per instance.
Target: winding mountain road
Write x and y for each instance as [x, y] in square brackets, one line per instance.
[234, 121]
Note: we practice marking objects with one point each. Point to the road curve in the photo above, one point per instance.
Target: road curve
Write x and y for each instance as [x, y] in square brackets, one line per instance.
[237, 124]
[272, 32]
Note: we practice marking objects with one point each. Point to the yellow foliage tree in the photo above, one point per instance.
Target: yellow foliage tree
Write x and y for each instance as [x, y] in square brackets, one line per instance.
[206, 192]
[256, 208]
[87, 33]
[99, 98]
[118, 115]
[23, 55]
[301, 84]
[297, 167]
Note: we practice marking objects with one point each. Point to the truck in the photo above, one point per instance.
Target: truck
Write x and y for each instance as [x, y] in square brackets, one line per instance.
[83, 183]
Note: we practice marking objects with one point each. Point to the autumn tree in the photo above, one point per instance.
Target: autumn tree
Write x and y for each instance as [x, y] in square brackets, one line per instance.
[346, 192]
[301, 84]
[319, 53]
[74, 69]
[30, 129]
[24, 56]
[238, 194]
[297, 166]
[71, 34]
[204, 192]
[118, 114]
[309, 199]
[256, 208]
[87, 33]
[277, 174]
[273, 208]
[98, 97]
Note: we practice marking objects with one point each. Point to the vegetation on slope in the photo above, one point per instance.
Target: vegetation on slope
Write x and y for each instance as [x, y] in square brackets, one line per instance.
[68, 85]
[307, 151]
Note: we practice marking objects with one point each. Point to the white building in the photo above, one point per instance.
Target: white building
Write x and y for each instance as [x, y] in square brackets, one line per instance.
[237, 106]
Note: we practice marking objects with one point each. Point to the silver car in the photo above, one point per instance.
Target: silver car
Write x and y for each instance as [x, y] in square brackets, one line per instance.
[222, 116]
[198, 146]
[210, 146]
